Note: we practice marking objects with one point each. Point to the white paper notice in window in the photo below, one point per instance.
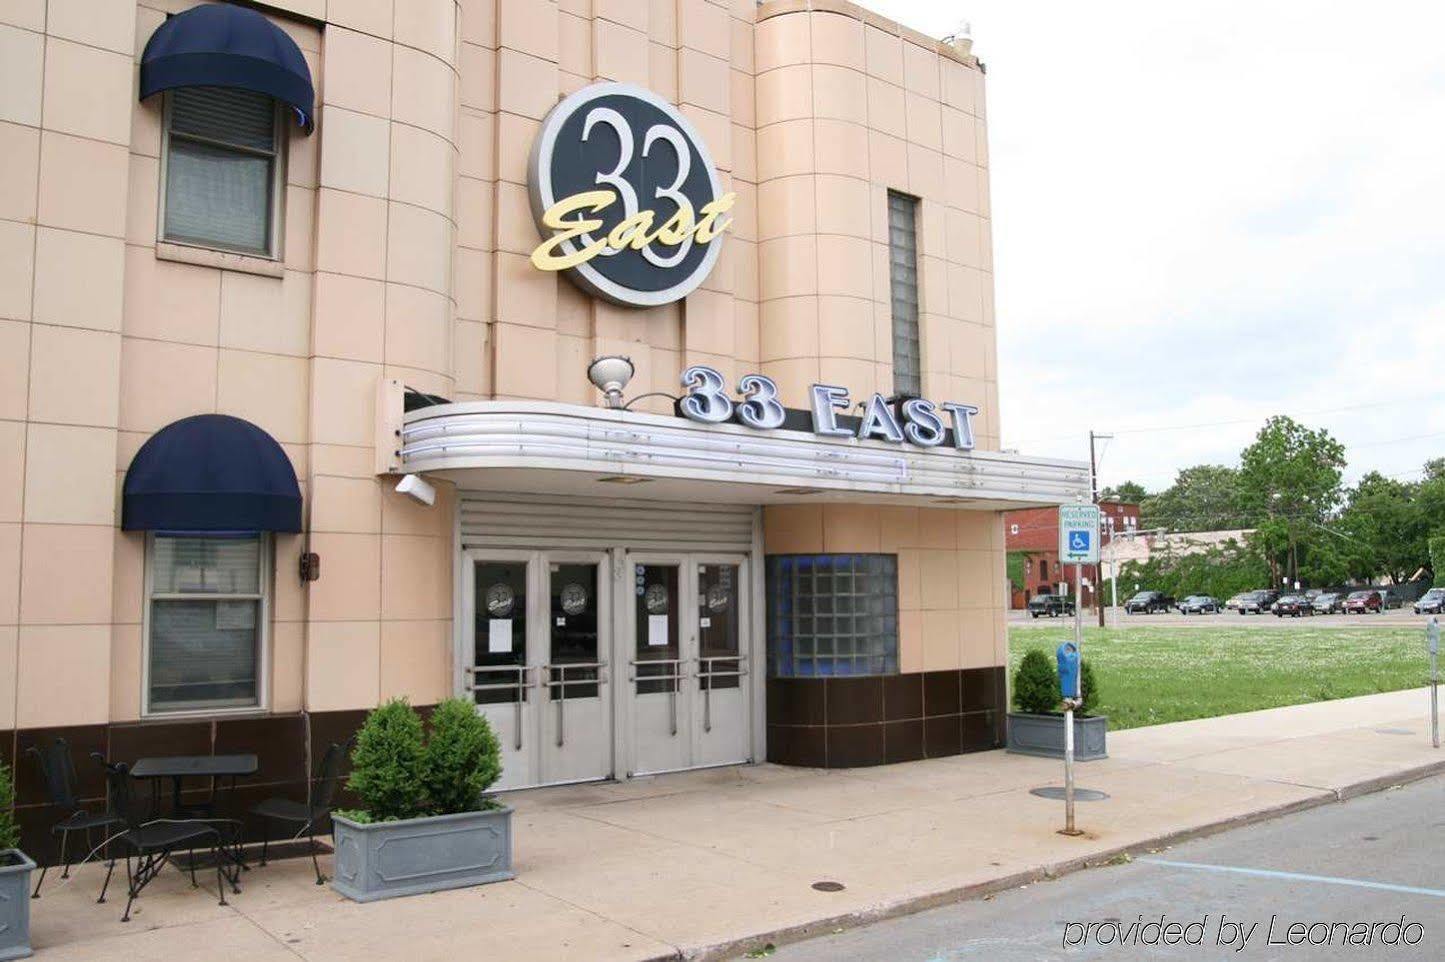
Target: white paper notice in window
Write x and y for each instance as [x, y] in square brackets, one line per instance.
[235, 615]
[657, 631]
[499, 636]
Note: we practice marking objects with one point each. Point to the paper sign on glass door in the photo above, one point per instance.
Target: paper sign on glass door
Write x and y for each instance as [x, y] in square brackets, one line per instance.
[657, 631]
[499, 635]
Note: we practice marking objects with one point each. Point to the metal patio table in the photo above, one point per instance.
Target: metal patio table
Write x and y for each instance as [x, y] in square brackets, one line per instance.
[180, 767]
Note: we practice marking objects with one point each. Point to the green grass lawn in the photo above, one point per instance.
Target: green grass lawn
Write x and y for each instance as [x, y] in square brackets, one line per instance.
[1148, 676]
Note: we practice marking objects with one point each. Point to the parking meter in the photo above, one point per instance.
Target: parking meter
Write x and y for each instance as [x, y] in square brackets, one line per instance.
[1068, 661]
[1432, 636]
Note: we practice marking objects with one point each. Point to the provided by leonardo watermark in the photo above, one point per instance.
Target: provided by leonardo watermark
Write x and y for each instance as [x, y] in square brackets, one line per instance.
[1239, 934]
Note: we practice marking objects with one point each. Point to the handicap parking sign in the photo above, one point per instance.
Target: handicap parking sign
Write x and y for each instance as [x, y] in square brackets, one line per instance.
[1078, 525]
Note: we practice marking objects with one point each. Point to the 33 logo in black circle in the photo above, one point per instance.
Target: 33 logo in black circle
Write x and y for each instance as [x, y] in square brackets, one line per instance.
[626, 196]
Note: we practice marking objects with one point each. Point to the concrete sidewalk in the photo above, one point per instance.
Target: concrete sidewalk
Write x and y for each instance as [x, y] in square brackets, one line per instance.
[708, 864]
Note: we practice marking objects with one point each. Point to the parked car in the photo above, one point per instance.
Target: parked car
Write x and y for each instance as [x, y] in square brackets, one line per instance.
[1148, 603]
[1389, 599]
[1051, 605]
[1364, 602]
[1294, 606]
[1257, 602]
[1234, 600]
[1431, 602]
[1329, 603]
[1199, 605]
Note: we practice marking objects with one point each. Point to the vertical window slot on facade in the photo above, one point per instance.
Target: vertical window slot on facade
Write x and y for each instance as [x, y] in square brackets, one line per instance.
[903, 294]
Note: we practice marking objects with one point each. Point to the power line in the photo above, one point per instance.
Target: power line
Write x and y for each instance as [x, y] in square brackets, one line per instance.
[1155, 429]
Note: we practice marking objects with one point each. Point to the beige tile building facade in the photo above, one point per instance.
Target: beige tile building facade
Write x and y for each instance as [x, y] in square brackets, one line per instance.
[399, 254]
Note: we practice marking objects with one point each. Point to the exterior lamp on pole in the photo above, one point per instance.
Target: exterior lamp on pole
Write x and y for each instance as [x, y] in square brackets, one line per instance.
[610, 374]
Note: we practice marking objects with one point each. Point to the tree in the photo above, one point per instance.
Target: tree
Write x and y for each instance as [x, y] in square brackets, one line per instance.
[1218, 571]
[1291, 475]
[1130, 492]
[1204, 497]
[1387, 530]
[1435, 469]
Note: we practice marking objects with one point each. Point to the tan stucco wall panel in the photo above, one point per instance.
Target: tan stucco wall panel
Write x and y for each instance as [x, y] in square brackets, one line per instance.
[406, 233]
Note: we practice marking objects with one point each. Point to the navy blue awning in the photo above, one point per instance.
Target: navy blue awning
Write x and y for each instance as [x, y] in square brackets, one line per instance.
[211, 473]
[218, 45]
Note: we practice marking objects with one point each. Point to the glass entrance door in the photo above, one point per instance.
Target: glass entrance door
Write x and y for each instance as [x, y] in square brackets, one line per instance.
[537, 640]
[502, 679]
[577, 712]
[687, 689]
[658, 668]
[722, 665]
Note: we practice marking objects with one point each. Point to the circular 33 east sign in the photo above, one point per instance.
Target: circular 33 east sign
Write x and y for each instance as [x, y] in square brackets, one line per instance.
[626, 196]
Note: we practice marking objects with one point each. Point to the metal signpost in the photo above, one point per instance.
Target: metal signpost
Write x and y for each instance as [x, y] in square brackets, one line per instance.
[1432, 644]
[1078, 546]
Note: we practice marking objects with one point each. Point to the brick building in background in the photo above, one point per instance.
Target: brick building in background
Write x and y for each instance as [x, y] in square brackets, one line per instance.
[1034, 533]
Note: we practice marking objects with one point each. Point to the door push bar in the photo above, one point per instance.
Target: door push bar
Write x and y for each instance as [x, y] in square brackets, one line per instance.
[678, 674]
[561, 682]
[706, 673]
[520, 686]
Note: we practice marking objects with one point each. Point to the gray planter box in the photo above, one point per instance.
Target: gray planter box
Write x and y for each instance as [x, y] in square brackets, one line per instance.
[383, 860]
[1043, 735]
[15, 868]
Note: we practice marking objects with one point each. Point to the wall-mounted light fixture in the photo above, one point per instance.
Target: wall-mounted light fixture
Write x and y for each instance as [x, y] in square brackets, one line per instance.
[417, 488]
[610, 374]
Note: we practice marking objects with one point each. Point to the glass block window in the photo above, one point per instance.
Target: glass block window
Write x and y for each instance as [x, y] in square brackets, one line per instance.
[205, 622]
[222, 170]
[903, 281]
[832, 614]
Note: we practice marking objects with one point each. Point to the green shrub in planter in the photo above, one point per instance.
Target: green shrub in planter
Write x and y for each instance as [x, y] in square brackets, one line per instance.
[9, 831]
[461, 760]
[15, 868]
[1036, 684]
[424, 825]
[387, 763]
[1088, 688]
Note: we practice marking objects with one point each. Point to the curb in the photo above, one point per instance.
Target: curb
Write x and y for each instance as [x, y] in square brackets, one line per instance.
[733, 948]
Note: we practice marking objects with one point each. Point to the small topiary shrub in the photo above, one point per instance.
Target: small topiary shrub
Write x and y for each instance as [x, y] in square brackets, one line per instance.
[462, 758]
[387, 763]
[9, 831]
[1036, 684]
[1088, 688]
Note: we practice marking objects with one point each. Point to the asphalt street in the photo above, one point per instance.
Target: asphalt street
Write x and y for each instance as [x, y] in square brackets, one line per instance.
[1375, 859]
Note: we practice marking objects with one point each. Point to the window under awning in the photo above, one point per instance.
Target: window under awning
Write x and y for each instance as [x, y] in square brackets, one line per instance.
[211, 473]
[218, 45]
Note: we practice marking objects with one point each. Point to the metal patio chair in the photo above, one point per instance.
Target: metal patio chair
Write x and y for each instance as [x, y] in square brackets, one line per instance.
[321, 799]
[153, 843]
[57, 772]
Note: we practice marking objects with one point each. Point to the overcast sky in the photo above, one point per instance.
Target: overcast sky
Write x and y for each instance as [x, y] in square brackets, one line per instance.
[1212, 213]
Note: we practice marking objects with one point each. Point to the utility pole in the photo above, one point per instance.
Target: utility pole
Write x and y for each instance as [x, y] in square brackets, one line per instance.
[1098, 589]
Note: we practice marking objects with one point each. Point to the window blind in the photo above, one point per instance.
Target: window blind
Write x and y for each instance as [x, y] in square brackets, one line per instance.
[220, 168]
[205, 622]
